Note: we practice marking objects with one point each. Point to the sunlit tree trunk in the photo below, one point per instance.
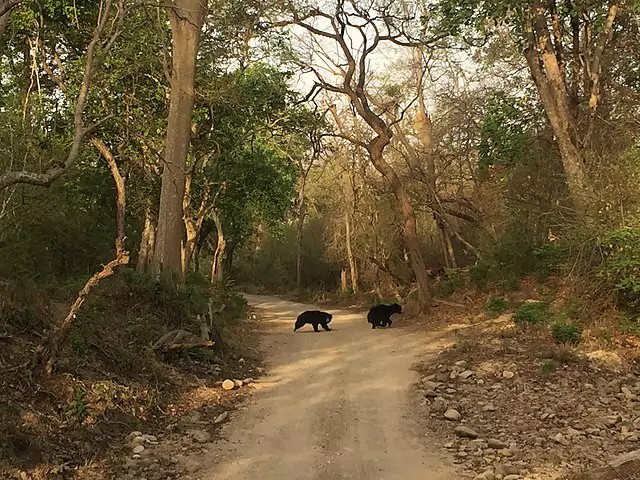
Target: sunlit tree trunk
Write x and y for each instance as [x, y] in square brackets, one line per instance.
[353, 269]
[147, 241]
[218, 255]
[186, 17]
[302, 211]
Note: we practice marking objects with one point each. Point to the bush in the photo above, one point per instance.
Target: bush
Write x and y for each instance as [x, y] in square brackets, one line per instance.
[496, 306]
[549, 366]
[621, 249]
[532, 313]
[630, 325]
[479, 275]
[564, 332]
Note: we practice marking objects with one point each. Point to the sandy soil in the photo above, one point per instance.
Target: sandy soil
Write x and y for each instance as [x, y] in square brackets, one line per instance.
[334, 405]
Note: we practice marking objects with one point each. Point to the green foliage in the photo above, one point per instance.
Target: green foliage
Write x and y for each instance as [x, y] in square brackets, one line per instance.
[496, 306]
[78, 344]
[517, 252]
[547, 259]
[515, 255]
[479, 275]
[78, 407]
[630, 324]
[531, 313]
[564, 332]
[549, 366]
[506, 138]
[269, 260]
[183, 302]
[447, 285]
[127, 313]
[621, 250]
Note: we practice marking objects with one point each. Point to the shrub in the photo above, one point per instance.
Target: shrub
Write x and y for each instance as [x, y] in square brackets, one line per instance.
[496, 306]
[621, 249]
[78, 408]
[564, 332]
[548, 257]
[479, 275]
[448, 284]
[630, 325]
[549, 366]
[531, 312]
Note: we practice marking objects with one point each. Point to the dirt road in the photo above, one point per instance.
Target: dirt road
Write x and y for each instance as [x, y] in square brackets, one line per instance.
[335, 405]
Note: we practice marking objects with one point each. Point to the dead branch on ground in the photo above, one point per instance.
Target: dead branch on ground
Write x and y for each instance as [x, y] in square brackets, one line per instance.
[46, 354]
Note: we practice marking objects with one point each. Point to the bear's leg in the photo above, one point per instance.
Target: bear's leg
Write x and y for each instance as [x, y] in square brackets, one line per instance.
[325, 327]
[315, 327]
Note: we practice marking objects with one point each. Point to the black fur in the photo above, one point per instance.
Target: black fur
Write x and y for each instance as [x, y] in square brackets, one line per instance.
[315, 318]
[380, 315]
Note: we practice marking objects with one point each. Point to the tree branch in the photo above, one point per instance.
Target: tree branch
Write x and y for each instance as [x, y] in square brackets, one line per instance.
[47, 352]
[80, 130]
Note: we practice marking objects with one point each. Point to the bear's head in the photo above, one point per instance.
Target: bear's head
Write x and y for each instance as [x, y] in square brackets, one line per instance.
[396, 308]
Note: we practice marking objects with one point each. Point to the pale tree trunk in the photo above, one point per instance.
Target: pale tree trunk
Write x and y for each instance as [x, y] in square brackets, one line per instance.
[410, 224]
[547, 73]
[424, 128]
[147, 240]
[6, 6]
[302, 207]
[410, 228]
[186, 18]
[203, 235]
[192, 225]
[594, 67]
[218, 256]
[353, 269]
[343, 281]
[452, 257]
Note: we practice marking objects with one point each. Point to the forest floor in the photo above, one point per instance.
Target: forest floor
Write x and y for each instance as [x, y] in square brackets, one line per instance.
[451, 395]
[114, 404]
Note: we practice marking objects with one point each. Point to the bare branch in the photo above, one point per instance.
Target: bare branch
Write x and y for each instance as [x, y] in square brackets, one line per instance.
[46, 353]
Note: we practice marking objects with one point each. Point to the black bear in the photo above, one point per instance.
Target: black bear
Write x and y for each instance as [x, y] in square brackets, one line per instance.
[315, 318]
[380, 315]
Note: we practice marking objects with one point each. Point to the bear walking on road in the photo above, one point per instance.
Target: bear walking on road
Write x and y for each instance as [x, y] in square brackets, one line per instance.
[315, 318]
[380, 315]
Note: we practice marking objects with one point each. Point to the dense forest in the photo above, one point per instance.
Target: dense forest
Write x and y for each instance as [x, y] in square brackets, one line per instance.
[157, 158]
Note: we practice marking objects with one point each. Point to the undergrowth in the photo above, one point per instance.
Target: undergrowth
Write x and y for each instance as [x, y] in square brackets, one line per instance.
[496, 306]
[531, 313]
[108, 377]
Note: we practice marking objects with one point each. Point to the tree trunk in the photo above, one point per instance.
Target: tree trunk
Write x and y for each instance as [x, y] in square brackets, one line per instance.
[449, 246]
[46, 353]
[302, 207]
[553, 93]
[207, 227]
[6, 6]
[192, 225]
[186, 18]
[145, 252]
[343, 281]
[227, 261]
[410, 226]
[216, 265]
[353, 270]
[424, 129]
